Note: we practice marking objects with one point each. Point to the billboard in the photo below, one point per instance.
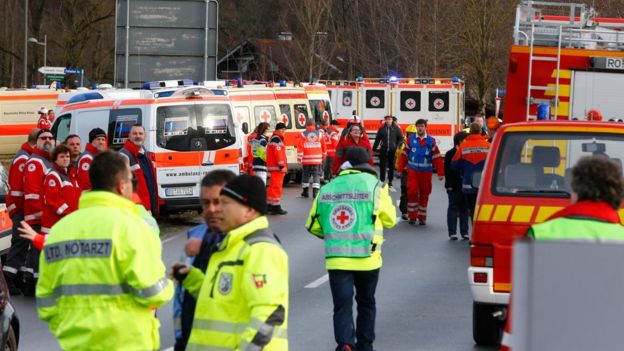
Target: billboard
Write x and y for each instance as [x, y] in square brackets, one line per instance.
[165, 40]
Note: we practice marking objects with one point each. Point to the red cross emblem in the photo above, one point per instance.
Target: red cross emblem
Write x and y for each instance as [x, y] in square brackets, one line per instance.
[346, 101]
[438, 103]
[301, 118]
[284, 118]
[410, 103]
[326, 115]
[265, 116]
[342, 217]
[375, 101]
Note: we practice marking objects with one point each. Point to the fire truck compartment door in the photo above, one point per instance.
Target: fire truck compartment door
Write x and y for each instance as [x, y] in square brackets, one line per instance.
[600, 91]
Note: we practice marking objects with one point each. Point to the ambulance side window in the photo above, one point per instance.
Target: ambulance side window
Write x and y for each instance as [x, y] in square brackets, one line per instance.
[119, 124]
[265, 113]
[347, 98]
[438, 101]
[301, 115]
[242, 116]
[410, 101]
[61, 128]
[286, 115]
[375, 98]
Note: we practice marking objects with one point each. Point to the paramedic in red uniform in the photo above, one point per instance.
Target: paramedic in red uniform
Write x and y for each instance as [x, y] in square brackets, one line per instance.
[355, 137]
[310, 153]
[97, 144]
[332, 136]
[277, 164]
[15, 205]
[36, 168]
[420, 155]
[60, 191]
[141, 166]
[45, 120]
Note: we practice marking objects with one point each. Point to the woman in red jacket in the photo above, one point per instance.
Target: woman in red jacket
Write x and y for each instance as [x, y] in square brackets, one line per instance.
[60, 190]
[354, 138]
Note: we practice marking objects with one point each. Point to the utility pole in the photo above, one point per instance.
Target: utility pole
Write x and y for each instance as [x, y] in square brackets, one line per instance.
[25, 83]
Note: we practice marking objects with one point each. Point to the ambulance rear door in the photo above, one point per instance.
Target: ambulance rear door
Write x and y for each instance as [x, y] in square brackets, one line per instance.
[440, 104]
[373, 105]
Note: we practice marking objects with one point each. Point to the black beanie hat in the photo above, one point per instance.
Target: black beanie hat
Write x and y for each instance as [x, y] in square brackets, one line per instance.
[280, 126]
[96, 132]
[357, 156]
[248, 190]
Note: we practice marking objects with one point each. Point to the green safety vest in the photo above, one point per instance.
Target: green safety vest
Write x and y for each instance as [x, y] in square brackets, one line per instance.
[346, 212]
[576, 228]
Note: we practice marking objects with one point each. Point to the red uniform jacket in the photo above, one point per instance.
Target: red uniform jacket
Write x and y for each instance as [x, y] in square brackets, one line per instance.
[15, 197]
[311, 147]
[332, 136]
[84, 164]
[131, 151]
[276, 154]
[44, 122]
[345, 143]
[60, 196]
[36, 168]
[248, 159]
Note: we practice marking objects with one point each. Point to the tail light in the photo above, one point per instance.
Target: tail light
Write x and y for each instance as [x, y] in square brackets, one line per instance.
[482, 256]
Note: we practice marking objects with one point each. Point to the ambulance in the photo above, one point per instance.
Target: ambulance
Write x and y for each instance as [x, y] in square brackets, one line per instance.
[438, 100]
[190, 129]
[18, 115]
[563, 67]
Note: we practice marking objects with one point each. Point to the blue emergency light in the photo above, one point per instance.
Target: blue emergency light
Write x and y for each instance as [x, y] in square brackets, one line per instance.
[282, 83]
[85, 97]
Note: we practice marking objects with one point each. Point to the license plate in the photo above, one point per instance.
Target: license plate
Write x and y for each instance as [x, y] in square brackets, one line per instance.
[184, 191]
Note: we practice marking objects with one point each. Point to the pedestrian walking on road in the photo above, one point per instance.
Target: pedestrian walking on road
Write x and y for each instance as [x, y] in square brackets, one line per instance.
[259, 149]
[97, 144]
[420, 156]
[277, 164]
[457, 207]
[142, 167]
[355, 138]
[388, 138]
[409, 131]
[242, 299]
[101, 273]
[350, 213]
[332, 136]
[310, 153]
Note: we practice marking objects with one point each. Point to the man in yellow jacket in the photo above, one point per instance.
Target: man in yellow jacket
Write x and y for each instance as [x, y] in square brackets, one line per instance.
[242, 300]
[101, 272]
[349, 214]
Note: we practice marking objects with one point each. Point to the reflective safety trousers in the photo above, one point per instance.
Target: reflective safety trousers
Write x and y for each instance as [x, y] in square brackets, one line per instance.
[384, 217]
[100, 275]
[242, 302]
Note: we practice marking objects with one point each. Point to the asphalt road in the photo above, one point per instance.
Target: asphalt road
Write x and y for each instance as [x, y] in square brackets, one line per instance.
[423, 298]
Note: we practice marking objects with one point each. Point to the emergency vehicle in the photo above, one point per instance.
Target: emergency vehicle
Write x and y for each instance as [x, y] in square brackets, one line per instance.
[438, 100]
[320, 101]
[18, 115]
[190, 130]
[564, 66]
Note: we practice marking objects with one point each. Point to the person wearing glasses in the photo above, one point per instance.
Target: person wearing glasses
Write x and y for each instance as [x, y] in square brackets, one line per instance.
[355, 137]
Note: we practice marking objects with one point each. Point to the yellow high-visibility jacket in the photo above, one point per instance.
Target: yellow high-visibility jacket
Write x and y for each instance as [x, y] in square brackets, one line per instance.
[242, 302]
[100, 275]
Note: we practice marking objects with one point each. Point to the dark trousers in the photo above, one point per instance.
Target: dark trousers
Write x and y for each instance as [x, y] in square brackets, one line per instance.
[471, 201]
[457, 207]
[16, 258]
[403, 199]
[365, 283]
[386, 164]
[327, 167]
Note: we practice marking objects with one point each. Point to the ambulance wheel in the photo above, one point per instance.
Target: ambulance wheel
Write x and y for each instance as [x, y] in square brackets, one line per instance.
[486, 329]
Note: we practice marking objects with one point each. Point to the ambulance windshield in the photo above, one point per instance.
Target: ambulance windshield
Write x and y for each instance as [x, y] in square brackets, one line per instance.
[198, 127]
[540, 164]
[321, 109]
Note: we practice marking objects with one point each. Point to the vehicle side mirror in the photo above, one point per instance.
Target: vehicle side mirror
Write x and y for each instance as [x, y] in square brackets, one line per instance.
[245, 128]
[476, 179]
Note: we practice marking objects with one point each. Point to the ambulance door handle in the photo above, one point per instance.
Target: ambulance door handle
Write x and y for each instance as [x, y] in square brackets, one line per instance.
[208, 164]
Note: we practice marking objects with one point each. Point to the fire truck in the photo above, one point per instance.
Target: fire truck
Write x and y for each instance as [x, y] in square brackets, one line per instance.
[438, 100]
[565, 62]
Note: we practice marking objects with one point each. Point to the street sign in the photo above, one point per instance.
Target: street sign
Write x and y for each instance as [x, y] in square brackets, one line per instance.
[55, 77]
[51, 70]
[73, 70]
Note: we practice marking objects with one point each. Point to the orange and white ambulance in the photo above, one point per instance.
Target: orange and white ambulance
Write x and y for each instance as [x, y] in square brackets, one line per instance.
[18, 115]
[438, 100]
[190, 129]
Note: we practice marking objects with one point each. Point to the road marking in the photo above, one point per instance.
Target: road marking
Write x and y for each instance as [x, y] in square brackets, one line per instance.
[170, 238]
[318, 282]
[168, 349]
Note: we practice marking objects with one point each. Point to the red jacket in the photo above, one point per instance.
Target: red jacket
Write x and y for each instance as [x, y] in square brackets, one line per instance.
[470, 158]
[15, 197]
[345, 143]
[248, 159]
[60, 197]
[332, 136]
[146, 194]
[311, 147]
[84, 164]
[36, 168]
[276, 154]
[44, 122]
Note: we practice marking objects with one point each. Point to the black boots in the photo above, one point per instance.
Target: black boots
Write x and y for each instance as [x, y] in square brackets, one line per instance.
[277, 210]
[305, 192]
[314, 192]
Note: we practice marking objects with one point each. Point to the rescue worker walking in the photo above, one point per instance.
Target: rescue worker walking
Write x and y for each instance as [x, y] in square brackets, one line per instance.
[409, 131]
[597, 193]
[277, 164]
[15, 205]
[457, 207]
[97, 144]
[259, 151]
[101, 272]
[310, 153]
[420, 156]
[332, 136]
[470, 158]
[350, 214]
[36, 168]
[355, 138]
[204, 240]
[389, 136]
[242, 300]
[140, 161]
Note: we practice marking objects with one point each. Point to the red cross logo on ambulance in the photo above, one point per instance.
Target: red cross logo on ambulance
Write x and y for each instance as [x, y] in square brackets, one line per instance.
[326, 115]
[346, 101]
[342, 218]
[265, 116]
[438, 103]
[301, 118]
[410, 103]
[284, 118]
[375, 101]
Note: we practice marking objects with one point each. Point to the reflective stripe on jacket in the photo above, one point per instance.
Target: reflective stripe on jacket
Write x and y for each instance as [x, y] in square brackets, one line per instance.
[470, 158]
[311, 147]
[36, 168]
[100, 275]
[15, 197]
[60, 197]
[84, 164]
[422, 154]
[276, 154]
[242, 302]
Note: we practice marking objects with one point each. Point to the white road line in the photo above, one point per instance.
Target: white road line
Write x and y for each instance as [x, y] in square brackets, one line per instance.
[318, 282]
[168, 349]
[170, 238]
